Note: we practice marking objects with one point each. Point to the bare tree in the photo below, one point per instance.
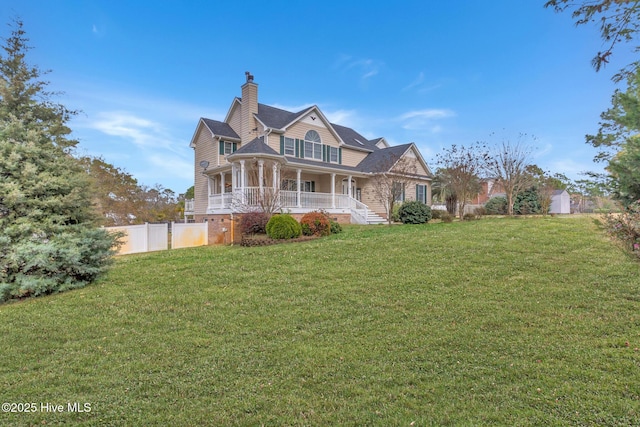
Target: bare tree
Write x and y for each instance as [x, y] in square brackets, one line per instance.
[269, 199]
[464, 166]
[509, 167]
[389, 184]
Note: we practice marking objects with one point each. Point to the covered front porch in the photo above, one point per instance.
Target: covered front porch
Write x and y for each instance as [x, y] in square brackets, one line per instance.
[249, 185]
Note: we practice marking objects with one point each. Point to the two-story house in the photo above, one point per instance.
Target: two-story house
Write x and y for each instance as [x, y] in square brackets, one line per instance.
[262, 157]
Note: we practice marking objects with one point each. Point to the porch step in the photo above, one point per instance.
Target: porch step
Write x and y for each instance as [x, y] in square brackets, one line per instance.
[374, 218]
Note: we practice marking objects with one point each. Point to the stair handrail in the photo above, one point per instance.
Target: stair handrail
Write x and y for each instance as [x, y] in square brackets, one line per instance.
[355, 205]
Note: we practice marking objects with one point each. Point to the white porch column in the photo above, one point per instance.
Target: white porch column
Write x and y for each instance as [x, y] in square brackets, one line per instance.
[243, 181]
[234, 181]
[208, 190]
[242, 176]
[275, 177]
[222, 189]
[260, 174]
[298, 173]
[333, 190]
[349, 192]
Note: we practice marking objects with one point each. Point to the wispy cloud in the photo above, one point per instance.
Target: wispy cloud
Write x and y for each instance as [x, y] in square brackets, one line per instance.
[343, 117]
[365, 67]
[172, 165]
[418, 81]
[432, 113]
[141, 132]
[425, 119]
[540, 152]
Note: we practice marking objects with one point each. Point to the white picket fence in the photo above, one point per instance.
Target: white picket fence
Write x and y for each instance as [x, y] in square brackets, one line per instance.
[155, 237]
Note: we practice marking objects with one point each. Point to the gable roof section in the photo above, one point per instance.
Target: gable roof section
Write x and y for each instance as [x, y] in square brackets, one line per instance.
[220, 129]
[380, 142]
[237, 102]
[279, 119]
[384, 159]
[276, 118]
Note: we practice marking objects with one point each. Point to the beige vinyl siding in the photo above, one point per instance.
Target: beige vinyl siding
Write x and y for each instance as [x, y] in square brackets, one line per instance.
[411, 156]
[410, 190]
[369, 197]
[420, 170]
[206, 149]
[235, 119]
[352, 157]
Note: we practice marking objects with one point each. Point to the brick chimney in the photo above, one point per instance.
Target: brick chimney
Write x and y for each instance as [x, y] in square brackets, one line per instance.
[249, 108]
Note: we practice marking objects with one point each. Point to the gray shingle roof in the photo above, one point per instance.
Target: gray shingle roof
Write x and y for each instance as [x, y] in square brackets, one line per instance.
[257, 146]
[297, 160]
[275, 117]
[382, 159]
[220, 128]
[353, 138]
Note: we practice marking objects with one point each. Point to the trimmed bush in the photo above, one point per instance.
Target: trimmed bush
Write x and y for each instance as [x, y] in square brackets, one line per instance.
[437, 213]
[315, 223]
[283, 226]
[625, 227]
[480, 212]
[254, 223]
[496, 206]
[414, 212]
[446, 217]
[335, 227]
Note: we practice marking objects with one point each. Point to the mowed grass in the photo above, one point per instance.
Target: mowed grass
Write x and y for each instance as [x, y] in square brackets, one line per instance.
[492, 322]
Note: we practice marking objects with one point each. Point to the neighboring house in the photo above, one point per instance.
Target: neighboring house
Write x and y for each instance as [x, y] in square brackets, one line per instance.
[294, 162]
[560, 202]
[490, 188]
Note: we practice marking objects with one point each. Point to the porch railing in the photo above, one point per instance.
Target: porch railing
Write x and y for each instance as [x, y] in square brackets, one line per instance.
[282, 199]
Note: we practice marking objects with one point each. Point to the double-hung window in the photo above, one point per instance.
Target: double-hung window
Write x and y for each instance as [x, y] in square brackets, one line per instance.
[289, 146]
[421, 193]
[333, 154]
[228, 147]
[397, 189]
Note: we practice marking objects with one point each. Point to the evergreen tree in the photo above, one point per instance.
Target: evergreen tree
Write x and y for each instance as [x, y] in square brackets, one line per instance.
[618, 139]
[48, 238]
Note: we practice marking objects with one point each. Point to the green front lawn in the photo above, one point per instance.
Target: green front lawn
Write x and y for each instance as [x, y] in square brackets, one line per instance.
[492, 322]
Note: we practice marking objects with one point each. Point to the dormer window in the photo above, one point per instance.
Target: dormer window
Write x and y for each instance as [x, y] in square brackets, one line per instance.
[312, 145]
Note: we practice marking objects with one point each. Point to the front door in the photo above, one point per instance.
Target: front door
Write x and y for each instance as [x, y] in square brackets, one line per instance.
[345, 188]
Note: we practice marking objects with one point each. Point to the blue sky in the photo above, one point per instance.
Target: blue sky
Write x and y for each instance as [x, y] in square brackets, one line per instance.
[435, 73]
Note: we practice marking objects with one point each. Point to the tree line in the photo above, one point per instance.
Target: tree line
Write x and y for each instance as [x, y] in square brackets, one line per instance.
[525, 187]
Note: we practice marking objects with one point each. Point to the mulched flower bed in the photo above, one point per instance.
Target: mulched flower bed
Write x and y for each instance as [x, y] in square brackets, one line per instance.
[264, 240]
